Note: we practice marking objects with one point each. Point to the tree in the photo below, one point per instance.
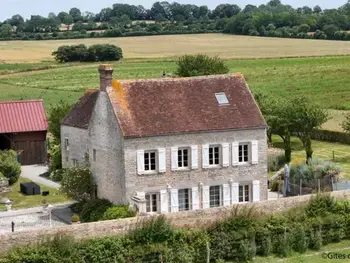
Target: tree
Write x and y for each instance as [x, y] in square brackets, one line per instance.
[9, 166]
[317, 9]
[199, 65]
[16, 20]
[77, 183]
[68, 20]
[56, 114]
[62, 16]
[346, 123]
[125, 20]
[305, 117]
[304, 28]
[76, 14]
[330, 30]
[5, 30]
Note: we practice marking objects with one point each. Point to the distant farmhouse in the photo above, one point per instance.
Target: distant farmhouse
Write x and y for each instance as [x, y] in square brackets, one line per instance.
[23, 128]
[170, 144]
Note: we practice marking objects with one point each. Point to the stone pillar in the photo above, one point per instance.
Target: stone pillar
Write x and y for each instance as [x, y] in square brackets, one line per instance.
[106, 76]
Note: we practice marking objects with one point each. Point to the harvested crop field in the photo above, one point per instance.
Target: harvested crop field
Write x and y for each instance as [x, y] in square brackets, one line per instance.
[226, 46]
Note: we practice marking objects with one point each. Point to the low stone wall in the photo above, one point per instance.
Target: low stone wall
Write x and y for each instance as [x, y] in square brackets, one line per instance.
[192, 219]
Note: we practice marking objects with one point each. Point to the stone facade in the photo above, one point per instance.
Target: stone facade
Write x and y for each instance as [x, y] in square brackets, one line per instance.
[106, 151]
[78, 145]
[198, 218]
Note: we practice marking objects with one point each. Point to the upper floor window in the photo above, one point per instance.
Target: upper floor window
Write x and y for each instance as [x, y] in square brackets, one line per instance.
[66, 144]
[182, 157]
[244, 193]
[214, 155]
[243, 152]
[150, 161]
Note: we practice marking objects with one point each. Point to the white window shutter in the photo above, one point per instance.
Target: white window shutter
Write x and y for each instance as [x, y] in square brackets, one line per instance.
[255, 152]
[225, 155]
[174, 200]
[174, 158]
[226, 194]
[234, 193]
[206, 197]
[256, 191]
[205, 155]
[140, 161]
[164, 206]
[195, 205]
[161, 160]
[235, 153]
[194, 157]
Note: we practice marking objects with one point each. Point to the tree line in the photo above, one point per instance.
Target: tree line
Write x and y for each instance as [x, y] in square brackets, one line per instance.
[273, 19]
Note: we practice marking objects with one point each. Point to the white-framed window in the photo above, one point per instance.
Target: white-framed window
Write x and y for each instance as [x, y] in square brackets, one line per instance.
[66, 144]
[183, 158]
[214, 155]
[75, 162]
[243, 152]
[152, 202]
[215, 195]
[185, 202]
[94, 155]
[150, 161]
[244, 193]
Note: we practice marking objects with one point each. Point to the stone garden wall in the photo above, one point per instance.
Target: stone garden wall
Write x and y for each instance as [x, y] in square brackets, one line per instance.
[198, 218]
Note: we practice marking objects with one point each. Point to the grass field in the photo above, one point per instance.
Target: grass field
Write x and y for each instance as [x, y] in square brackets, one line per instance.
[313, 256]
[23, 201]
[322, 150]
[226, 46]
[322, 79]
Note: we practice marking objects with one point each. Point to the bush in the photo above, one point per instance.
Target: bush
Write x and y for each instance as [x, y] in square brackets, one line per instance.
[300, 241]
[75, 218]
[93, 210]
[199, 65]
[330, 136]
[56, 113]
[80, 53]
[57, 175]
[116, 212]
[320, 205]
[77, 183]
[9, 166]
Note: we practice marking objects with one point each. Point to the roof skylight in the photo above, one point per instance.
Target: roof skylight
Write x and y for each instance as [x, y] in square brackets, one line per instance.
[221, 98]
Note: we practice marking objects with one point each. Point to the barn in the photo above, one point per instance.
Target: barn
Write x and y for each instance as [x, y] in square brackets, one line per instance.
[23, 128]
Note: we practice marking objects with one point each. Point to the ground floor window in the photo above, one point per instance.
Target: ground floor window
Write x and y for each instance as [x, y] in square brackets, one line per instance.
[215, 195]
[152, 202]
[184, 199]
[244, 193]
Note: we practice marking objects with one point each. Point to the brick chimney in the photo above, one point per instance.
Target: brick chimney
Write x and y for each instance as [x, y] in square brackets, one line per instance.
[106, 76]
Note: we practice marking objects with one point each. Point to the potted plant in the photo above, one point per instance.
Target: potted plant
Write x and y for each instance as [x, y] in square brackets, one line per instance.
[75, 219]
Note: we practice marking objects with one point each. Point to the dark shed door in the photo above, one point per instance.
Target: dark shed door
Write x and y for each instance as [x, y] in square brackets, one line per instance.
[31, 152]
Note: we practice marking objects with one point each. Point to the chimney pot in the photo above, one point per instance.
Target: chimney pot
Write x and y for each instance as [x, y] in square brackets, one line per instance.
[106, 76]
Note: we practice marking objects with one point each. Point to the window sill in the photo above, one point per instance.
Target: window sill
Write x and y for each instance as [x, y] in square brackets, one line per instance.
[243, 164]
[149, 173]
[183, 169]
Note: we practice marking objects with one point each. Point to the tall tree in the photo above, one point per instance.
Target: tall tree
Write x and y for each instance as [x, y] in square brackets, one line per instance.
[306, 117]
[56, 113]
[76, 14]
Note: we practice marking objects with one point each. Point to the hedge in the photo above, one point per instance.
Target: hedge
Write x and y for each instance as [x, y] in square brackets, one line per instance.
[238, 238]
[331, 136]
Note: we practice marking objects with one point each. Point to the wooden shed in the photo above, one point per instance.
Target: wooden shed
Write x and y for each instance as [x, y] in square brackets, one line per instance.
[23, 128]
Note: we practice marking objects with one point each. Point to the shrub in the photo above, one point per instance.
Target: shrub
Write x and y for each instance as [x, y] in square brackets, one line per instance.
[320, 205]
[75, 218]
[330, 136]
[315, 241]
[77, 183]
[116, 212]
[9, 166]
[199, 65]
[300, 241]
[93, 210]
[57, 175]
[80, 53]
[56, 113]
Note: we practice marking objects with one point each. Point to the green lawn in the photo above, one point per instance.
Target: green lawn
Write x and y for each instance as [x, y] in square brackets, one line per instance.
[23, 201]
[322, 150]
[313, 256]
[322, 79]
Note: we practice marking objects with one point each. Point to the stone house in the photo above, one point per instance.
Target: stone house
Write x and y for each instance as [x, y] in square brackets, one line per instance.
[166, 145]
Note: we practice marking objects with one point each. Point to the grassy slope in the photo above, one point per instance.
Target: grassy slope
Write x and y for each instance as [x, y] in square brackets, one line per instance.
[23, 201]
[312, 256]
[322, 150]
[322, 79]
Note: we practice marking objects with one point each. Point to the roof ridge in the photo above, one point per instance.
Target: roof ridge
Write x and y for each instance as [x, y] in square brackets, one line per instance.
[217, 76]
[20, 101]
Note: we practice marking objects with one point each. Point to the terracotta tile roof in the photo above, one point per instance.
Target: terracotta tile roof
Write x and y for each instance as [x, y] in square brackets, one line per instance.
[183, 105]
[22, 116]
[80, 114]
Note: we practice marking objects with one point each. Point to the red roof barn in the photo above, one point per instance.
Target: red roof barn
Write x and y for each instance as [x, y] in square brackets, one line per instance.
[23, 128]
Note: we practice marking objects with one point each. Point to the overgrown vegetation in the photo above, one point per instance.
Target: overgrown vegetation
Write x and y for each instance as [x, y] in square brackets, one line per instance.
[81, 53]
[9, 166]
[240, 237]
[56, 114]
[200, 65]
